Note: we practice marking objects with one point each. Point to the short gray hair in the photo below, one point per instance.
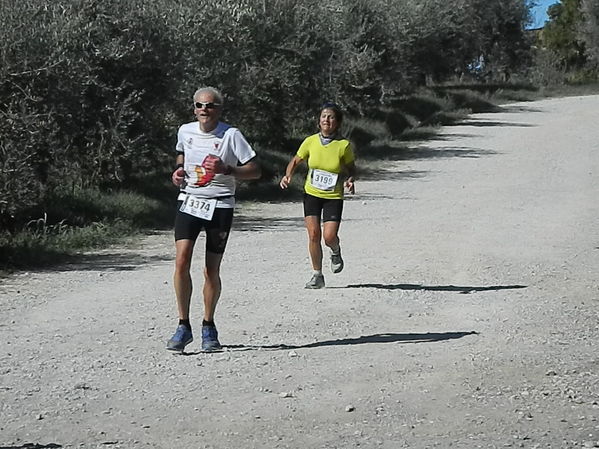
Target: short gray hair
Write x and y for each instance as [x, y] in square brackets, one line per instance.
[218, 96]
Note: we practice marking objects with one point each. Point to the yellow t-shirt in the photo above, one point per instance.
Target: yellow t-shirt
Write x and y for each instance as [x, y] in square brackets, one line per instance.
[325, 166]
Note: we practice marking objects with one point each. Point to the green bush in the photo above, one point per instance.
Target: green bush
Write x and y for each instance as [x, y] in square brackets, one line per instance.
[92, 93]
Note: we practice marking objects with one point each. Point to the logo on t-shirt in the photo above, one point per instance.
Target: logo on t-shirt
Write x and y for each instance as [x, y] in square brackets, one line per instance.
[204, 176]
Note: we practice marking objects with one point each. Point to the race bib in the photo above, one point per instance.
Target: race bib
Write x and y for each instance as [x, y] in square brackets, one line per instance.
[324, 180]
[199, 207]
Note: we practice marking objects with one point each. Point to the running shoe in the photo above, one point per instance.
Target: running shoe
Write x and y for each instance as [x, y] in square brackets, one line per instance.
[317, 281]
[336, 262]
[180, 339]
[210, 339]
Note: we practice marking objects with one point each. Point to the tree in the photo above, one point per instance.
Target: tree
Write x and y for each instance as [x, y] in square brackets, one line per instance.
[589, 31]
[561, 35]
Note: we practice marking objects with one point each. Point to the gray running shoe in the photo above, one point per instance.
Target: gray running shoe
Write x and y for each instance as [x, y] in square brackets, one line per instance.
[336, 262]
[317, 281]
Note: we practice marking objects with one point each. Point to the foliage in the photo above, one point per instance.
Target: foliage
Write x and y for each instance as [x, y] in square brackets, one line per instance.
[77, 83]
[546, 70]
[589, 30]
[79, 220]
[91, 93]
[560, 34]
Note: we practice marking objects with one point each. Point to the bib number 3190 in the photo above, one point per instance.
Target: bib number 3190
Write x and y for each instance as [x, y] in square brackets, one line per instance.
[199, 207]
[324, 180]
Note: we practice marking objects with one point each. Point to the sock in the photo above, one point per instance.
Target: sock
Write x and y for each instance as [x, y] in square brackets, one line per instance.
[336, 250]
[318, 272]
[185, 323]
[208, 323]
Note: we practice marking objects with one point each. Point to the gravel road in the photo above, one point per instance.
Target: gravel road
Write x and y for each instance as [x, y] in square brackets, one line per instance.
[467, 315]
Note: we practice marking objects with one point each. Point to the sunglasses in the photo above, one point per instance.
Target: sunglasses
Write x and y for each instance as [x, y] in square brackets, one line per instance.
[200, 105]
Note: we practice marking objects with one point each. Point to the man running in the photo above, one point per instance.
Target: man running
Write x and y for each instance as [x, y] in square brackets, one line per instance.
[211, 155]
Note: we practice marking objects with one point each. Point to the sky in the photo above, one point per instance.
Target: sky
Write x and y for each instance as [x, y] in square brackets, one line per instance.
[540, 12]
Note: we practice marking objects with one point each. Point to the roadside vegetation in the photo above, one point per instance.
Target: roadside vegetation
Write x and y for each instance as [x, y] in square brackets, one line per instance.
[92, 93]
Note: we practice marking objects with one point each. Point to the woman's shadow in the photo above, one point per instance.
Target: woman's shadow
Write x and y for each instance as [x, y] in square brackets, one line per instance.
[465, 289]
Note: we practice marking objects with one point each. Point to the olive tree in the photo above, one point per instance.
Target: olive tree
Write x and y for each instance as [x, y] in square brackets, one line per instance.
[589, 31]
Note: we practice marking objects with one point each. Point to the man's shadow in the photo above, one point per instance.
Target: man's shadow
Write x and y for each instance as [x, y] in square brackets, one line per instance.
[428, 337]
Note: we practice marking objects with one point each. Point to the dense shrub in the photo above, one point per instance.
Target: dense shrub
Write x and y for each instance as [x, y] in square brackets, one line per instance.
[91, 93]
[589, 29]
[82, 88]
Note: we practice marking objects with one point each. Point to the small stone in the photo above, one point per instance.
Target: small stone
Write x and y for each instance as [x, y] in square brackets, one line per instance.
[286, 394]
[349, 408]
[292, 354]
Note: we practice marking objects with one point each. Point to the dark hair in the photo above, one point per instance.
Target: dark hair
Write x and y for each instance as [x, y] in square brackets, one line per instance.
[333, 107]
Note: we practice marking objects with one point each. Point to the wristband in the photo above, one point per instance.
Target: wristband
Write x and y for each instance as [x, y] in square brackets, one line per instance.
[228, 170]
[179, 166]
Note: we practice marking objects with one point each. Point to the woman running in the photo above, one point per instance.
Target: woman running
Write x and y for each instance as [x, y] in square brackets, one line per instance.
[330, 158]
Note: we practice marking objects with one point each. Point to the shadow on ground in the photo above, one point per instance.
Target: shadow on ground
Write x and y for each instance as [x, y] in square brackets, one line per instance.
[33, 446]
[399, 147]
[493, 123]
[428, 337]
[387, 152]
[397, 152]
[112, 261]
[519, 108]
[244, 223]
[443, 288]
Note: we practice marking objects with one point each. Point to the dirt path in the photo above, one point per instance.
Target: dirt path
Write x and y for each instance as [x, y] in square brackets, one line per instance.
[466, 316]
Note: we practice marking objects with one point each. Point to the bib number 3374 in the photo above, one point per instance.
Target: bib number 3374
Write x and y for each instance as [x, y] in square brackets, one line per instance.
[199, 207]
[324, 180]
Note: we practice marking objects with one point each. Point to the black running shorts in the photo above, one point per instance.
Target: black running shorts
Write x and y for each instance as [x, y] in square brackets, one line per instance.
[330, 210]
[217, 230]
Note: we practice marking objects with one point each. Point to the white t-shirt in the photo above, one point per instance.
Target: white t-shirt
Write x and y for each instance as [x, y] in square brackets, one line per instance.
[225, 142]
